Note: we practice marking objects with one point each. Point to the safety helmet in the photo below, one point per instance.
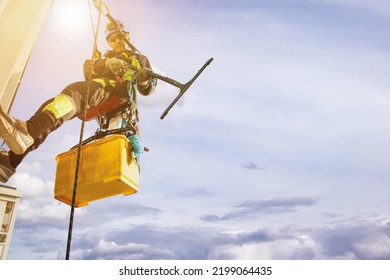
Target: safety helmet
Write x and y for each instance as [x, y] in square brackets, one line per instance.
[112, 28]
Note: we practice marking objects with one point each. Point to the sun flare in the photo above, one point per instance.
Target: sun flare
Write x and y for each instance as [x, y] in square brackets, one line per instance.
[72, 15]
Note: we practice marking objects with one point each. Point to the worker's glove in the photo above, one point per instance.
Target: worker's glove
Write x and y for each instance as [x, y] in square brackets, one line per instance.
[116, 65]
[143, 75]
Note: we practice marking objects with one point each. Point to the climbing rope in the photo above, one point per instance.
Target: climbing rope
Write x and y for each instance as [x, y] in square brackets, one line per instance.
[133, 129]
[99, 5]
[84, 100]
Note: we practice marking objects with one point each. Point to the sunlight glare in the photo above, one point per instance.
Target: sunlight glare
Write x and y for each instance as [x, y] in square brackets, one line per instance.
[72, 15]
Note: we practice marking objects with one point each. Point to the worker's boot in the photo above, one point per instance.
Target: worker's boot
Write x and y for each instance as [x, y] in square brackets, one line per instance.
[14, 133]
[6, 169]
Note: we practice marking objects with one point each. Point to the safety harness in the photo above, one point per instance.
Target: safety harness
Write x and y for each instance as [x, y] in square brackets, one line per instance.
[117, 106]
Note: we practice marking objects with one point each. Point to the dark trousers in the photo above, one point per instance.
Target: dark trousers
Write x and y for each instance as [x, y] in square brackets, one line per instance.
[84, 94]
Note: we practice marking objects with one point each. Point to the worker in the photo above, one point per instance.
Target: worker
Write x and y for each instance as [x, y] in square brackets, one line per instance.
[110, 76]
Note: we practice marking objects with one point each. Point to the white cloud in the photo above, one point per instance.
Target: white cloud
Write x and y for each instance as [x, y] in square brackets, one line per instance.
[376, 246]
[131, 251]
[354, 238]
[30, 185]
[290, 249]
[37, 204]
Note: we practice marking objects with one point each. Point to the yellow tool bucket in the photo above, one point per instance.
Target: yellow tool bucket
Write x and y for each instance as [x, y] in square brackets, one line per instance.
[107, 168]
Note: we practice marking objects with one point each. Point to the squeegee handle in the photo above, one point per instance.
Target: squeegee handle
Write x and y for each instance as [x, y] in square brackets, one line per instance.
[165, 79]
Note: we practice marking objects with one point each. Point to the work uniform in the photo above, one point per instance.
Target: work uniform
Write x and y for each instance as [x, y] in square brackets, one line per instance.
[104, 78]
[97, 88]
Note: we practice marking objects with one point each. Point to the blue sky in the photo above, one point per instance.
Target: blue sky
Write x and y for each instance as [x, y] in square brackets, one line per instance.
[278, 151]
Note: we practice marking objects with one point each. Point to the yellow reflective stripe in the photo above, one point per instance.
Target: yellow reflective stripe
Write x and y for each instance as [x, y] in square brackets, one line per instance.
[60, 106]
[100, 81]
[103, 82]
[128, 76]
[135, 62]
[125, 55]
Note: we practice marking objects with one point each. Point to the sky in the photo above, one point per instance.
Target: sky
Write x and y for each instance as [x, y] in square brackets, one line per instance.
[278, 151]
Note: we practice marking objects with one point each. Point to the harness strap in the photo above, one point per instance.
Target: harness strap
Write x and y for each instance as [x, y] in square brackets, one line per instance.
[102, 109]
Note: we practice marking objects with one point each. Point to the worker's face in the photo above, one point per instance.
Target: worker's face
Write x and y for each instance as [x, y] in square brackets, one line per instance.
[116, 42]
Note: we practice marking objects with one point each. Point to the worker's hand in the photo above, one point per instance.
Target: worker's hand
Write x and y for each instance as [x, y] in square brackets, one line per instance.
[142, 75]
[116, 65]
